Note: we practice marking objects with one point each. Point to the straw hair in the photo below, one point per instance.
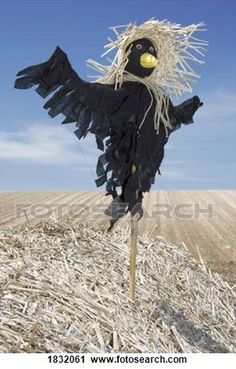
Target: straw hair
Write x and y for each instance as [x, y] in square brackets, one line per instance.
[176, 50]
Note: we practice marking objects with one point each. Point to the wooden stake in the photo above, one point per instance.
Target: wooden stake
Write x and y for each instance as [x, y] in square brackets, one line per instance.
[133, 253]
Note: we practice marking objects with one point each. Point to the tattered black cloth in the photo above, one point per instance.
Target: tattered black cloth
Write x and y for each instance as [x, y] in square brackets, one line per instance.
[132, 155]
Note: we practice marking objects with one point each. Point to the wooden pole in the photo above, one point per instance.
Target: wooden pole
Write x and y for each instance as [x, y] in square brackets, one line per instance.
[133, 253]
[133, 248]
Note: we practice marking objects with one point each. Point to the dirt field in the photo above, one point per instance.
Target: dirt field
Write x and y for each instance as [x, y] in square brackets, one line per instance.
[202, 220]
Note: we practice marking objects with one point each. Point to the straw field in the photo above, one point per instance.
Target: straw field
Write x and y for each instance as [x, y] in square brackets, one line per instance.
[64, 288]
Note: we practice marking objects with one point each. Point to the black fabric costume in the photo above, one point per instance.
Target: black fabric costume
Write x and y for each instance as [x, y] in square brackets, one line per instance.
[132, 156]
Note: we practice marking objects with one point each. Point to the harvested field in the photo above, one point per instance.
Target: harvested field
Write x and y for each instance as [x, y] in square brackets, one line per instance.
[64, 288]
[209, 227]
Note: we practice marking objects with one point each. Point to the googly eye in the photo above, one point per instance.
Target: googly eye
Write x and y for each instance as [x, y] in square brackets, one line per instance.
[151, 49]
[139, 46]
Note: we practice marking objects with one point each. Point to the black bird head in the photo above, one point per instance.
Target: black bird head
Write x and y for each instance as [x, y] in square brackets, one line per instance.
[142, 58]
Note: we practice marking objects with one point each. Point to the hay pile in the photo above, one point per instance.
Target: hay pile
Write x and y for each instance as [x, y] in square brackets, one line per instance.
[64, 288]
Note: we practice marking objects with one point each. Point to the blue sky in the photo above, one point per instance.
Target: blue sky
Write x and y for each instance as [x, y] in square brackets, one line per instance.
[40, 154]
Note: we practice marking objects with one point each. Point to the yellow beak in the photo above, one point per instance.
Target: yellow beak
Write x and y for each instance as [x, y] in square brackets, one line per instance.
[147, 60]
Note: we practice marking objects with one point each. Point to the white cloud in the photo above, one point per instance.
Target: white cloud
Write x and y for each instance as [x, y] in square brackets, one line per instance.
[219, 104]
[184, 171]
[172, 174]
[181, 175]
[175, 147]
[177, 162]
[44, 144]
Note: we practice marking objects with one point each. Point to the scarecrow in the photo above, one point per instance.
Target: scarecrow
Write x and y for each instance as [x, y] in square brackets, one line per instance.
[128, 108]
